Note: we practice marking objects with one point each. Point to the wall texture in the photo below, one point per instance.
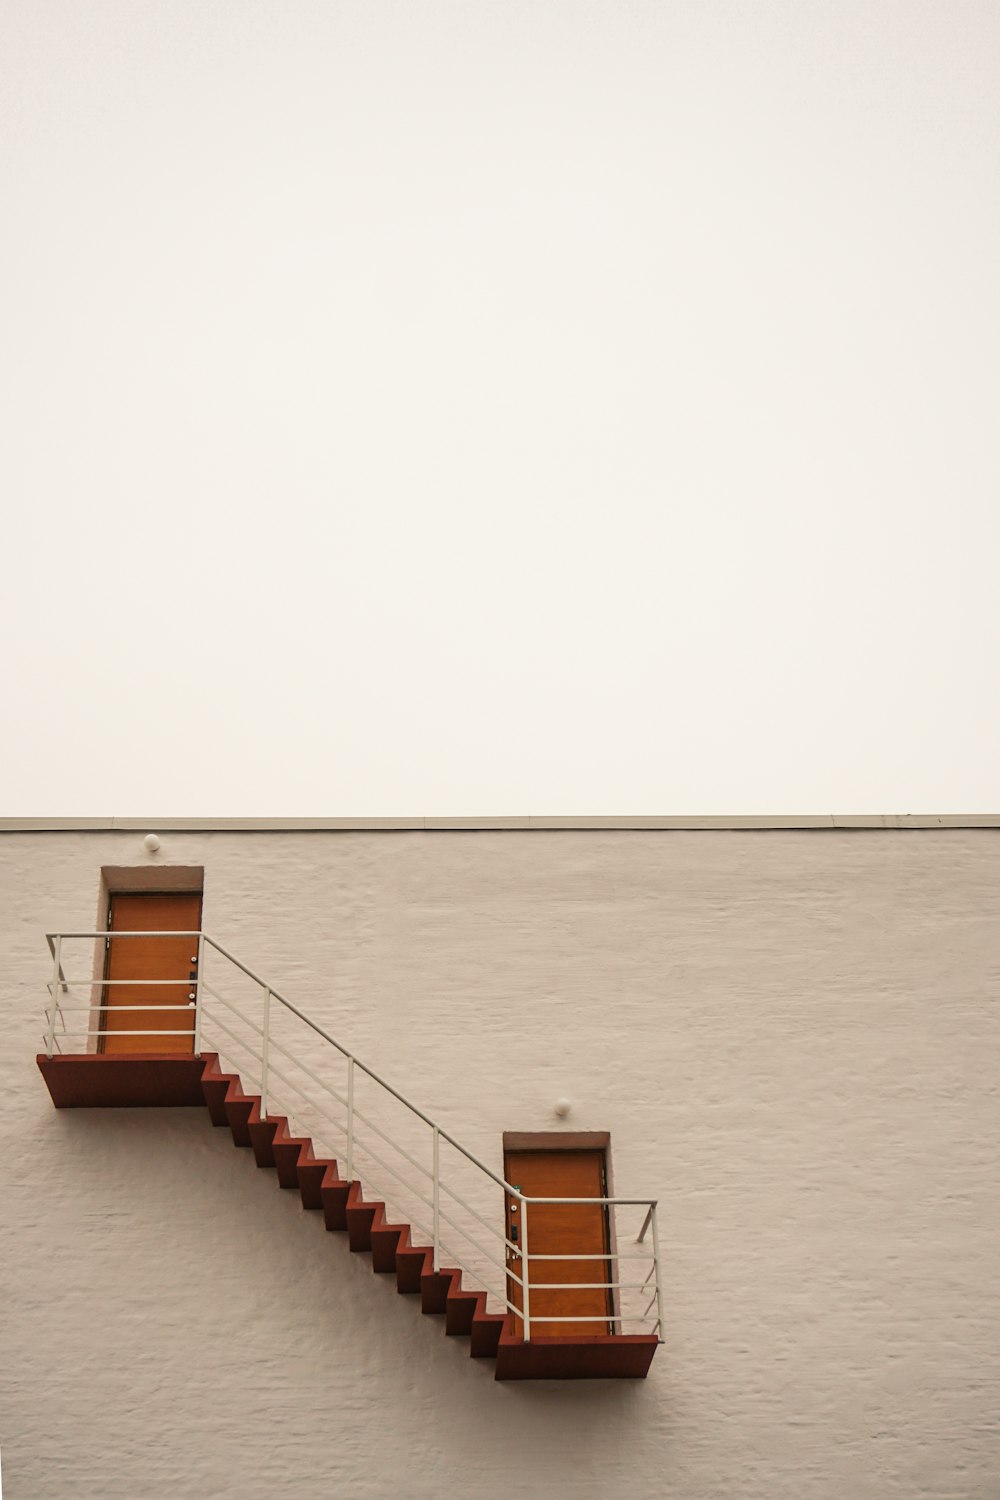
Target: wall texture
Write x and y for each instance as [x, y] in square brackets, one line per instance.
[792, 1037]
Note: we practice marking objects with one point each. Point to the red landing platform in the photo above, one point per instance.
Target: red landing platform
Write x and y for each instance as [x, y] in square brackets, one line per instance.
[91, 1080]
[622, 1357]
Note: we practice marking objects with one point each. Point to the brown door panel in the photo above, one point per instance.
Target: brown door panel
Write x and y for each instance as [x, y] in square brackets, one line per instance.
[155, 958]
[557, 1228]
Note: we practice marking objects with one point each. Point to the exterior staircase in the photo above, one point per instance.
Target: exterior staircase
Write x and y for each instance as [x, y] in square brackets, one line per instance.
[188, 1072]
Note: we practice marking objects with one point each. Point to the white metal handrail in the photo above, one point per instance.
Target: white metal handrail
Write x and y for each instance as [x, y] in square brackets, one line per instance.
[201, 1007]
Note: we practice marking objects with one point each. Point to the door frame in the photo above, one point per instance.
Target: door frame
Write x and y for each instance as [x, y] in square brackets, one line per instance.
[118, 880]
[132, 880]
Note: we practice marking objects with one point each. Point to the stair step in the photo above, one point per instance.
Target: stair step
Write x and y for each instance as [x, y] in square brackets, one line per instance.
[460, 1309]
[486, 1331]
[411, 1262]
[359, 1216]
[385, 1239]
[333, 1194]
[311, 1175]
[262, 1140]
[435, 1287]
[289, 1150]
[214, 1087]
[240, 1108]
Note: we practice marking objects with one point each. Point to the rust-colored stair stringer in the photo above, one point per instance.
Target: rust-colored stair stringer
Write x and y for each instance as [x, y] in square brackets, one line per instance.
[215, 1086]
[346, 1209]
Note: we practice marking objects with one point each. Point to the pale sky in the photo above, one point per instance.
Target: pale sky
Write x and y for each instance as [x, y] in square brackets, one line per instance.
[514, 408]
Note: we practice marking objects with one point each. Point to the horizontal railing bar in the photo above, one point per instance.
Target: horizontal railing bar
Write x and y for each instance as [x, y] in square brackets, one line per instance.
[611, 1318]
[584, 1286]
[116, 932]
[99, 984]
[611, 1255]
[584, 1318]
[114, 1031]
[89, 1009]
[622, 1202]
[537, 1317]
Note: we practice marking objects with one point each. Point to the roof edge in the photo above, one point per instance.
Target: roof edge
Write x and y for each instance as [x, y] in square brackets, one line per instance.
[470, 824]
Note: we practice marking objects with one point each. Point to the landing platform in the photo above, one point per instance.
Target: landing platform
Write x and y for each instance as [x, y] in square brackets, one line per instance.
[90, 1080]
[604, 1357]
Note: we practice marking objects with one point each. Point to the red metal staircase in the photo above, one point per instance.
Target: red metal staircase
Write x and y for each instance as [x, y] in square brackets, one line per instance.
[293, 1063]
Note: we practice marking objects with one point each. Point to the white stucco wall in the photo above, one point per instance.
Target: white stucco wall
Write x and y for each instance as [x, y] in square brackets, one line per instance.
[792, 1037]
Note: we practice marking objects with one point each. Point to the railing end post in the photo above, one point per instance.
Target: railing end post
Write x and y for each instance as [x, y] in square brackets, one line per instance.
[56, 976]
[200, 956]
[264, 1048]
[525, 1278]
[350, 1118]
[437, 1199]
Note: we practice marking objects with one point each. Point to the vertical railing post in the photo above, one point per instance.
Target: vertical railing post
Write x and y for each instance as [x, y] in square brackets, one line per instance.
[659, 1288]
[199, 960]
[265, 1039]
[56, 976]
[613, 1269]
[437, 1200]
[350, 1119]
[525, 1279]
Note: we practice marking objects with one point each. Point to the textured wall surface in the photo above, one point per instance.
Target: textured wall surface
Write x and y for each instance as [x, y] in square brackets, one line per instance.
[792, 1038]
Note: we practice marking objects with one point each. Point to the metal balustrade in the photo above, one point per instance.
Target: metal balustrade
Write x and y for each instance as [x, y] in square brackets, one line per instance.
[286, 1056]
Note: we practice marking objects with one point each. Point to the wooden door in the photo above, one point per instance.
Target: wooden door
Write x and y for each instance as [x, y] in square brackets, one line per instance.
[560, 1229]
[141, 959]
